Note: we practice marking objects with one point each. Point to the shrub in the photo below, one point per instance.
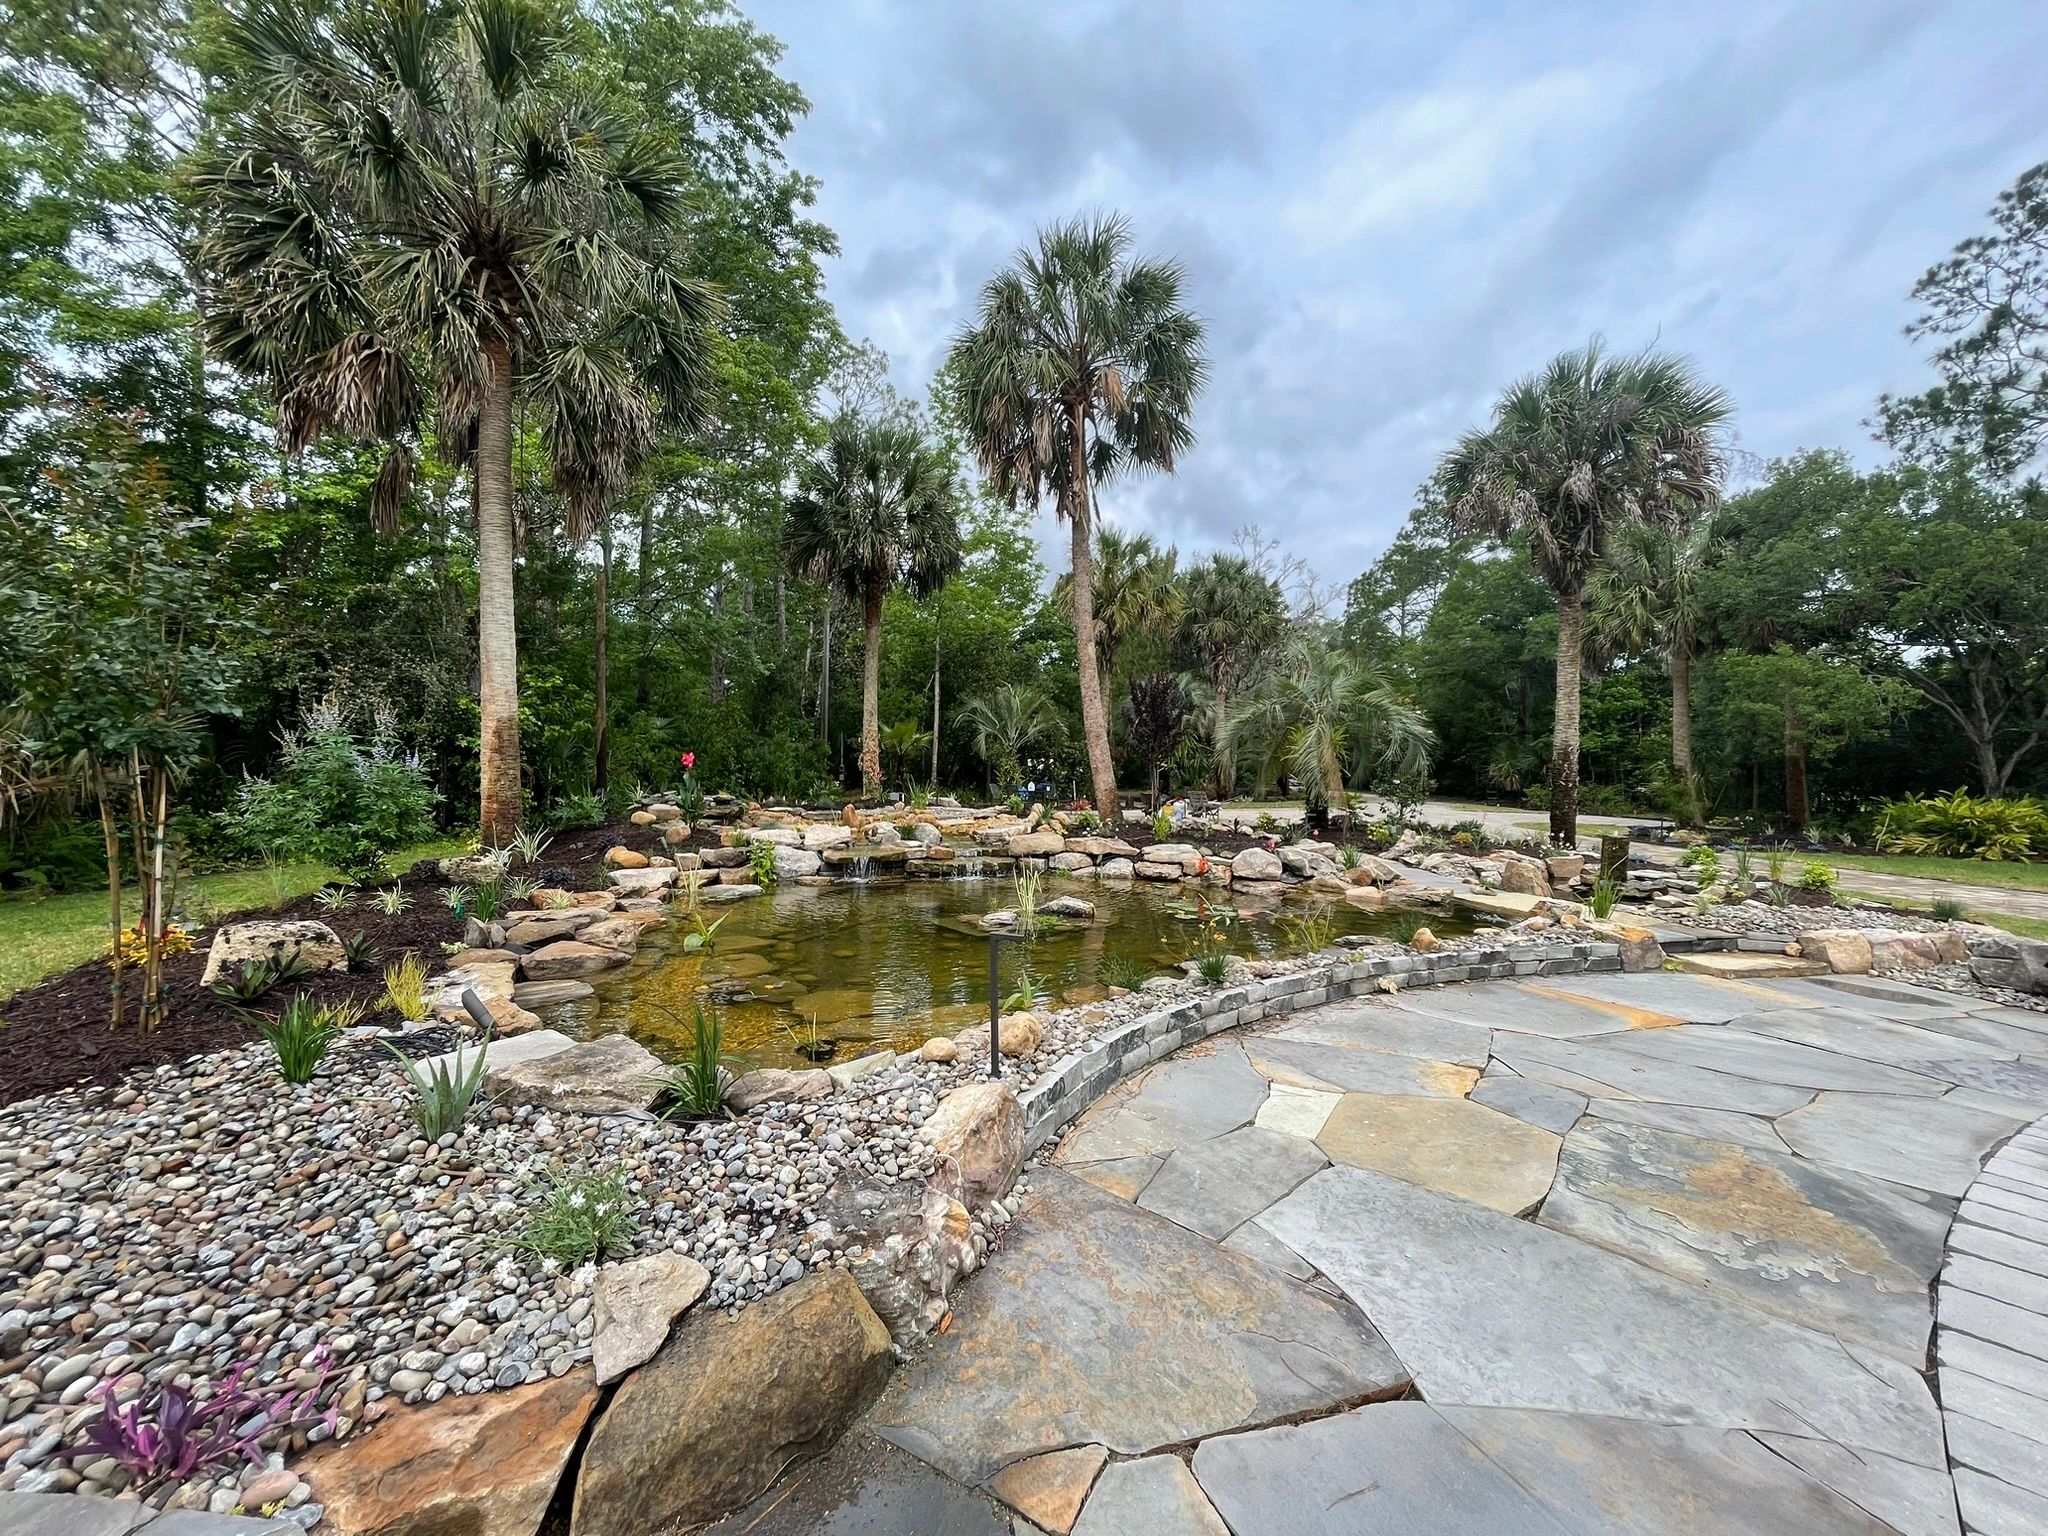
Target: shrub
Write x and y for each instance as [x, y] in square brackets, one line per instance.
[405, 988]
[1703, 860]
[1818, 876]
[339, 797]
[761, 864]
[359, 953]
[1947, 909]
[1085, 823]
[1162, 827]
[1014, 805]
[302, 1034]
[133, 946]
[697, 1086]
[1960, 826]
[579, 1217]
[444, 1088]
[573, 812]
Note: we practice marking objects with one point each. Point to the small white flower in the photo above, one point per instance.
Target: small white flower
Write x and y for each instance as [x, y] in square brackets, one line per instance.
[576, 1199]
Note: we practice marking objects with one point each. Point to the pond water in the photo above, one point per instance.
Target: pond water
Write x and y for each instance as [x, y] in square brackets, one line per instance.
[824, 973]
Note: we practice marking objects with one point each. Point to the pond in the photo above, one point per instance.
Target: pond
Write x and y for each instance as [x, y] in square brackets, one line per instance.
[825, 973]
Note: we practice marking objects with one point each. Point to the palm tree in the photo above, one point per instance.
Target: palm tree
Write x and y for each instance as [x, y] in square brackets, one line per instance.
[1646, 598]
[415, 211]
[1590, 445]
[1081, 361]
[1231, 613]
[1135, 593]
[877, 508]
[1006, 724]
[1321, 717]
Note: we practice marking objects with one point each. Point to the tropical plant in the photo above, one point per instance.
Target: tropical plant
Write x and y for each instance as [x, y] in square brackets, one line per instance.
[405, 987]
[696, 1087]
[1817, 876]
[443, 1087]
[1006, 724]
[575, 811]
[405, 207]
[876, 509]
[1319, 716]
[302, 1034]
[579, 1216]
[393, 901]
[1588, 446]
[248, 982]
[1961, 826]
[358, 953]
[1155, 713]
[1606, 893]
[1081, 361]
[762, 866]
[1946, 909]
[1232, 615]
[530, 843]
[1136, 594]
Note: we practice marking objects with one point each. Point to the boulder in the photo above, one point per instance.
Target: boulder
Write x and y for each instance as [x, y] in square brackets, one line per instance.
[1256, 864]
[675, 833]
[550, 994]
[725, 893]
[781, 837]
[2005, 960]
[1156, 869]
[546, 927]
[795, 863]
[508, 1018]
[775, 1085]
[1067, 906]
[624, 858]
[1425, 941]
[636, 1304]
[727, 1403]
[642, 818]
[665, 813]
[476, 869]
[1116, 869]
[1523, 876]
[610, 1075]
[1903, 952]
[1331, 885]
[740, 874]
[1102, 847]
[822, 835]
[621, 933]
[724, 858]
[1564, 868]
[1640, 950]
[238, 944]
[1035, 845]
[1367, 898]
[1069, 863]
[567, 959]
[1021, 1031]
[926, 834]
[603, 900]
[978, 1132]
[638, 882]
[939, 1049]
[1845, 951]
[1307, 860]
[486, 1465]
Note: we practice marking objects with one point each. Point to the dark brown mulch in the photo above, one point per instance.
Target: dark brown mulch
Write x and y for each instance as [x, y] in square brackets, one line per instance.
[56, 1034]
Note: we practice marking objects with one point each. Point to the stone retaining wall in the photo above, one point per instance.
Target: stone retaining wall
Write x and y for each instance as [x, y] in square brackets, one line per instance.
[1077, 1080]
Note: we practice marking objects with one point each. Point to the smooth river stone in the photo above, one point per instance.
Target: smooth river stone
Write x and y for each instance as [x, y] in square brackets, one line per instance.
[1304, 1065]
[1928, 1144]
[1451, 1145]
[1185, 1099]
[1105, 1324]
[1831, 1250]
[1493, 1312]
[1213, 1187]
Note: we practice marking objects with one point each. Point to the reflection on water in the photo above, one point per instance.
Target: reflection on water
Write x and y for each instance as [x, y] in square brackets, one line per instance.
[827, 972]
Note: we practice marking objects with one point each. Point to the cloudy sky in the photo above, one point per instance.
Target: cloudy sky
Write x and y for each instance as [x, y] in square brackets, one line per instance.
[1386, 211]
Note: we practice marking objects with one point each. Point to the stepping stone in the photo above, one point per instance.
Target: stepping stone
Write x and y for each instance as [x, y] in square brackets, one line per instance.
[1739, 965]
[1624, 1074]
[1296, 1111]
[1513, 1005]
[1609, 1477]
[1451, 1145]
[1768, 1059]
[1302, 1065]
[1707, 1124]
[1914, 1501]
[1214, 1187]
[1493, 1312]
[1928, 1144]
[1109, 1325]
[1123, 1177]
[1690, 999]
[1185, 1099]
[1392, 1027]
[1540, 1104]
[1391, 1467]
[1155, 1496]
[1836, 1252]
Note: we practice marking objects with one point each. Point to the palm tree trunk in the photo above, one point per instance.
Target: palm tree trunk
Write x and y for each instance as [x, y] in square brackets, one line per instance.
[497, 639]
[1681, 733]
[643, 679]
[1798, 809]
[1564, 735]
[871, 693]
[1094, 713]
[938, 635]
[825, 678]
[600, 772]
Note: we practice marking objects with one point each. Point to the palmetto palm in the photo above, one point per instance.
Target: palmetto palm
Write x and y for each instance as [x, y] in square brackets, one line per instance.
[1081, 361]
[875, 509]
[1321, 717]
[1231, 613]
[414, 210]
[1007, 723]
[1589, 446]
[1646, 598]
[1135, 593]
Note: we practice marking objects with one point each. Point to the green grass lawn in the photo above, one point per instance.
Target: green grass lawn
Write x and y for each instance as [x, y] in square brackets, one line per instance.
[2016, 877]
[2025, 927]
[41, 938]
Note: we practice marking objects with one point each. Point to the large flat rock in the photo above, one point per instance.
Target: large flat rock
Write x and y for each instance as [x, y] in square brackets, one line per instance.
[1690, 999]
[1191, 1097]
[1155, 1496]
[1929, 1144]
[1304, 1064]
[1214, 1187]
[1555, 1109]
[1624, 1074]
[1493, 1312]
[1451, 1145]
[861, 1487]
[1102, 1323]
[1512, 1005]
[1392, 1027]
[1707, 1124]
[1770, 1059]
[1916, 1047]
[1834, 1251]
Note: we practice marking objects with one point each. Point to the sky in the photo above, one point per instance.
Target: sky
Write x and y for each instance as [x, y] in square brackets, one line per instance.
[1386, 213]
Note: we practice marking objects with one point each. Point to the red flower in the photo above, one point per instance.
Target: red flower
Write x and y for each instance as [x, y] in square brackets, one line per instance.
[689, 761]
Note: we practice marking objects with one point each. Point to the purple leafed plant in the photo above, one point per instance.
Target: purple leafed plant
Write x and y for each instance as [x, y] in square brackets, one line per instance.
[167, 1433]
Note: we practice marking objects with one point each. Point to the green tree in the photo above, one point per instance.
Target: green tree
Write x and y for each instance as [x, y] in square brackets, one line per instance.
[1231, 614]
[1589, 445]
[1006, 724]
[876, 509]
[1081, 361]
[1803, 707]
[409, 206]
[1136, 595]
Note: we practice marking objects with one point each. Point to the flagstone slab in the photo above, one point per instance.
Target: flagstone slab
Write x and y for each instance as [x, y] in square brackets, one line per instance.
[1511, 1005]
[1878, 995]
[2008, 1029]
[1707, 1124]
[2015, 1252]
[1255, 1242]
[862, 1487]
[1833, 1251]
[1156, 1496]
[1451, 1145]
[1993, 1402]
[1640, 1077]
[1190, 1097]
[1978, 1210]
[1927, 1143]
[1297, 1111]
[1301, 1064]
[1611, 1477]
[1488, 1311]
[1914, 1501]
[1106, 1324]
[1540, 1104]
[1389, 1467]
[1690, 999]
[1959, 1351]
[2015, 1459]
[1768, 1059]
[1123, 1177]
[1393, 1027]
[2001, 1282]
[1214, 1187]
[1870, 1039]
[1992, 1507]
